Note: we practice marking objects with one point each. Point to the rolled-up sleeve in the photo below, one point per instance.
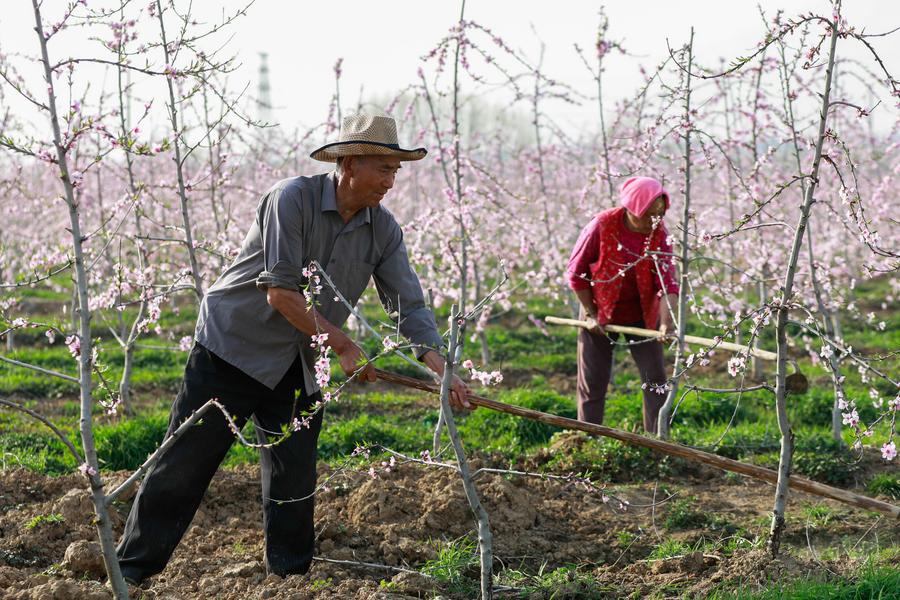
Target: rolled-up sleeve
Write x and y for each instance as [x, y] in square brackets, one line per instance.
[280, 220]
[584, 253]
[402, 298]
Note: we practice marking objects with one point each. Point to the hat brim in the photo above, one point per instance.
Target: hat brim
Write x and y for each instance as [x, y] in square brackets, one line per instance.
[331, 152]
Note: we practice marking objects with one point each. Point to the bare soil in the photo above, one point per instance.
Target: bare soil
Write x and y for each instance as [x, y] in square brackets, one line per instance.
[399, 520]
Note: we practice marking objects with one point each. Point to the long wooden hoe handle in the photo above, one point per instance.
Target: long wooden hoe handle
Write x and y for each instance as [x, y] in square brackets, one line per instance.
[672, 449]
[650, 333]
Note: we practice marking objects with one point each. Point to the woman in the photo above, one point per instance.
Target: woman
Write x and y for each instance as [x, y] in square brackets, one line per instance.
[620, 269]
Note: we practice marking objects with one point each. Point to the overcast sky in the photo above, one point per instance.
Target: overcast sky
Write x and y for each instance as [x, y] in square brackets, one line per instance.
[382, 42]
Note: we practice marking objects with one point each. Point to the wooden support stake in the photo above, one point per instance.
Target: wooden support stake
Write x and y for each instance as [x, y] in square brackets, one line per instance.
[672, 449]
[652, 333]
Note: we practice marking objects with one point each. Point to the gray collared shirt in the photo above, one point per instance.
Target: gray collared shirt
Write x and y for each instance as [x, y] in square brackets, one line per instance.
[297, 222]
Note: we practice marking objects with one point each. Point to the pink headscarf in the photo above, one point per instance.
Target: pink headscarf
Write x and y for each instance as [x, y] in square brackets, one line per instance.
[638, 193]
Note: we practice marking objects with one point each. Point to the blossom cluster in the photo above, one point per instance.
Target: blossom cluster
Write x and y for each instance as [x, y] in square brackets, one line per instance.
[483, 377]
[322, 366]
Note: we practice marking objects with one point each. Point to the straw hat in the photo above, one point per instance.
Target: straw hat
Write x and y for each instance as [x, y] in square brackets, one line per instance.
[367, 134]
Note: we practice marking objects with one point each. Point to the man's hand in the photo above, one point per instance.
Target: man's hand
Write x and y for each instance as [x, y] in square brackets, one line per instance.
[459, 394]
[292, 305]
[352, 359]
[459, 391]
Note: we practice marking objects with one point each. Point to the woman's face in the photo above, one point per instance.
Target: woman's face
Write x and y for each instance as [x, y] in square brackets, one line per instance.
[655, 212]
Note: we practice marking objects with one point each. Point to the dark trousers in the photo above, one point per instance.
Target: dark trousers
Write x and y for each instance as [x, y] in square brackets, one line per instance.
[595, 354]
[172, 490]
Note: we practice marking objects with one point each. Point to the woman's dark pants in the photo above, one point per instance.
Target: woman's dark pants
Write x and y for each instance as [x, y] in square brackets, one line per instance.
[171, 492]
[595, 354]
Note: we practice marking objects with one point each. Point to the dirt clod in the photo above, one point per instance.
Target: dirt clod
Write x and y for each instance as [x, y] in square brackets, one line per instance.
[75, 507]
[84, 558]
[243, 569]
[61, 589]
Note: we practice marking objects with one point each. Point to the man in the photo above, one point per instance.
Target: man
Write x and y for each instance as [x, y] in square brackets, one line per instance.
[253, 346]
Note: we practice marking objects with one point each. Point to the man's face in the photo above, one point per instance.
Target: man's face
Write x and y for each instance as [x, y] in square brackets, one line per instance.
[372, 176]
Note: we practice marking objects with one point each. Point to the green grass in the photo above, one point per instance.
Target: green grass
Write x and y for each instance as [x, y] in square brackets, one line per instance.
[885, 484]
[340, 437]
[605, 459]
[668, 548]
[526, 343]
[870, 584]
[738, 542]
[818, 515]
[121, 445]
[43, 520]
[684, 514]
[566, 581]
[736, 441]
[703, 410]
[399, 422]
[454, 565]
[814, 408]
[35, 450]
[497, 432]
[817, 456]
[152, 369]
[126, 444]
[44, 292]
[859, 333]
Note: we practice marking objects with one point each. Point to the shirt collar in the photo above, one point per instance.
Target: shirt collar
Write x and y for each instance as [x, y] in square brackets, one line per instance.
[329, 196]
[329, 202]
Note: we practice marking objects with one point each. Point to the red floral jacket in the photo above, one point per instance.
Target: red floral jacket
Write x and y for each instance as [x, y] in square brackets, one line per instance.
[596, 263]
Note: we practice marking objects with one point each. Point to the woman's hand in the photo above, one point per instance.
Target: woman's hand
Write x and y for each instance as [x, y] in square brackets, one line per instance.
[586, 298]
[666, 323]
[595, 327]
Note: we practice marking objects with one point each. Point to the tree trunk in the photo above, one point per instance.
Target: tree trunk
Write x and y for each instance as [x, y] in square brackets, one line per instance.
[134, 332]
[92, 465]
[179, 166]
[485, 538]
[827, 324]
[787, 435]
[457, 186]
[666, 410]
